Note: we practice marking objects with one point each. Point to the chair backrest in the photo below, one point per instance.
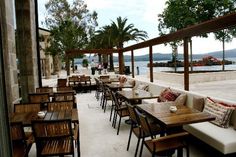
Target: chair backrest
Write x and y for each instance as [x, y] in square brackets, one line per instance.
[60, 106]
[44, 90]
[61, 82]
[64, 96]
[27, 107]
[114, 99]
[144, 123]
[38, 97]
[48, 131]
[64, 89]
[132, 113]
[17, 132]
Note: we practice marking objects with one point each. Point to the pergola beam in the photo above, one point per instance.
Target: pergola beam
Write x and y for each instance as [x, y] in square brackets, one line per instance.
[213, 25]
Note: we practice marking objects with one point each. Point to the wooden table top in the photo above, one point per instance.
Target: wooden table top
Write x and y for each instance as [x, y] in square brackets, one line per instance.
[27, 117]
[118, 86]
[110, 80]
[183, 115]
[137, 94]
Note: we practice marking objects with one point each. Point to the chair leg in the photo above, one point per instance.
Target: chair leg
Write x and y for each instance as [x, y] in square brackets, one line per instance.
[187, 151]
[112, 106]
[114, 117]
[105, 105]
[141, 149]
[118, 126]
[130, 134]
[115, 120]
[136, 150]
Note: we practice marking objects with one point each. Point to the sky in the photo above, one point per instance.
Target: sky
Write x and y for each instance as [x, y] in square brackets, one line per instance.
[144, 15]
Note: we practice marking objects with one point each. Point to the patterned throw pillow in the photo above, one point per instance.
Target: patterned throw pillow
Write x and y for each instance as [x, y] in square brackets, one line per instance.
[122, 79]
[221, 112]
[168, 95]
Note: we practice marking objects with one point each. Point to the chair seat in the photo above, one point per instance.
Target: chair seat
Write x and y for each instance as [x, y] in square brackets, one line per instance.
[123, 112]
[165, 145]
[19, 150]
[57, 147]
[155, 130]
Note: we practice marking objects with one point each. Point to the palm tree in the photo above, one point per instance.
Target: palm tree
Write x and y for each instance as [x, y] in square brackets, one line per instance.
[123, 32]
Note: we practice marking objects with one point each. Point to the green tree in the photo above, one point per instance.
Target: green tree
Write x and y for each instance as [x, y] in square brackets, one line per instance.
[123, 32]
[175, 16]
[71, 25]
[104, 39]
[182, 13]
[224, 7]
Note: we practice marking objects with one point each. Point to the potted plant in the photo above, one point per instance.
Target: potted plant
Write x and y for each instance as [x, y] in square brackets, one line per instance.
[85, 63]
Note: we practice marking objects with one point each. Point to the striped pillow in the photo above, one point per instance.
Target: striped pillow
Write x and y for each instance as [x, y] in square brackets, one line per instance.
[221, 112]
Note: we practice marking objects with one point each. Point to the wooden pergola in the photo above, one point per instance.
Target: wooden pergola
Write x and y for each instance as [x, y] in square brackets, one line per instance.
[213, 25]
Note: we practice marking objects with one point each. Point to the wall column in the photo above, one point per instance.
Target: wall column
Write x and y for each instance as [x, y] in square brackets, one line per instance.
[9, 90]
[26, 46]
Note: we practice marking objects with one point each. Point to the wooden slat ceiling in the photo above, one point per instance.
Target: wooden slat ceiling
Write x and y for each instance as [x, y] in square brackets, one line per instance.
[213, 25]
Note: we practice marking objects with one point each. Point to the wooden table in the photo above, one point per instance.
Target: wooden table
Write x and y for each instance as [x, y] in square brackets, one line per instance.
[110, 80]
[118, 86]
[183, 115]
[27, 117]
[135, 96]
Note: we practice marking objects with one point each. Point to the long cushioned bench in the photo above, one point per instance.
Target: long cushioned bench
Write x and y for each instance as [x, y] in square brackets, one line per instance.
[222, 139]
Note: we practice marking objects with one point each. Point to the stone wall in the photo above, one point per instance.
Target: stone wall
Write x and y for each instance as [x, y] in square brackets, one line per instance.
[9, 52]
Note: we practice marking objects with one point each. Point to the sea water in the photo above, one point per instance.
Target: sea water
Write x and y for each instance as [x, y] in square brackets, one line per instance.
[144, 69]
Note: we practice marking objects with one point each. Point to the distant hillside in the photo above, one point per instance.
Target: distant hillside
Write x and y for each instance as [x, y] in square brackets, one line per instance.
[160, 56]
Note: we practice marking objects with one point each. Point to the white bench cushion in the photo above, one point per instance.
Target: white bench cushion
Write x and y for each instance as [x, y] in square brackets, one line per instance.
[220, 138]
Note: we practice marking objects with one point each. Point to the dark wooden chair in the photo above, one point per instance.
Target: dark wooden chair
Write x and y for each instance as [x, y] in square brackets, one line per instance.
[61, 82]
[135, 128]
[85, 83]
[55, 138]
[65, 96]
[45, 90]
[65, 89]
[60, 106]
[38, 97]
[21, 142]
[120, 109]
[106, 96]
[74, 81]
[27, 107]
[41, 98]
[165, 145]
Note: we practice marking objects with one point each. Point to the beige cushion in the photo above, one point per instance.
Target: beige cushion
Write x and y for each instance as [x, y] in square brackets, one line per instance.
[221, 112]
[181, 99]
[220, 138]
[143, 87]
[131, 82]
[198, 103]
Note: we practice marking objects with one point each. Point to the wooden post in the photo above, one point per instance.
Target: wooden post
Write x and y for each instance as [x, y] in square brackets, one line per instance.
[151, 63]
[121, 62]
[186, 65]
[132, 62]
